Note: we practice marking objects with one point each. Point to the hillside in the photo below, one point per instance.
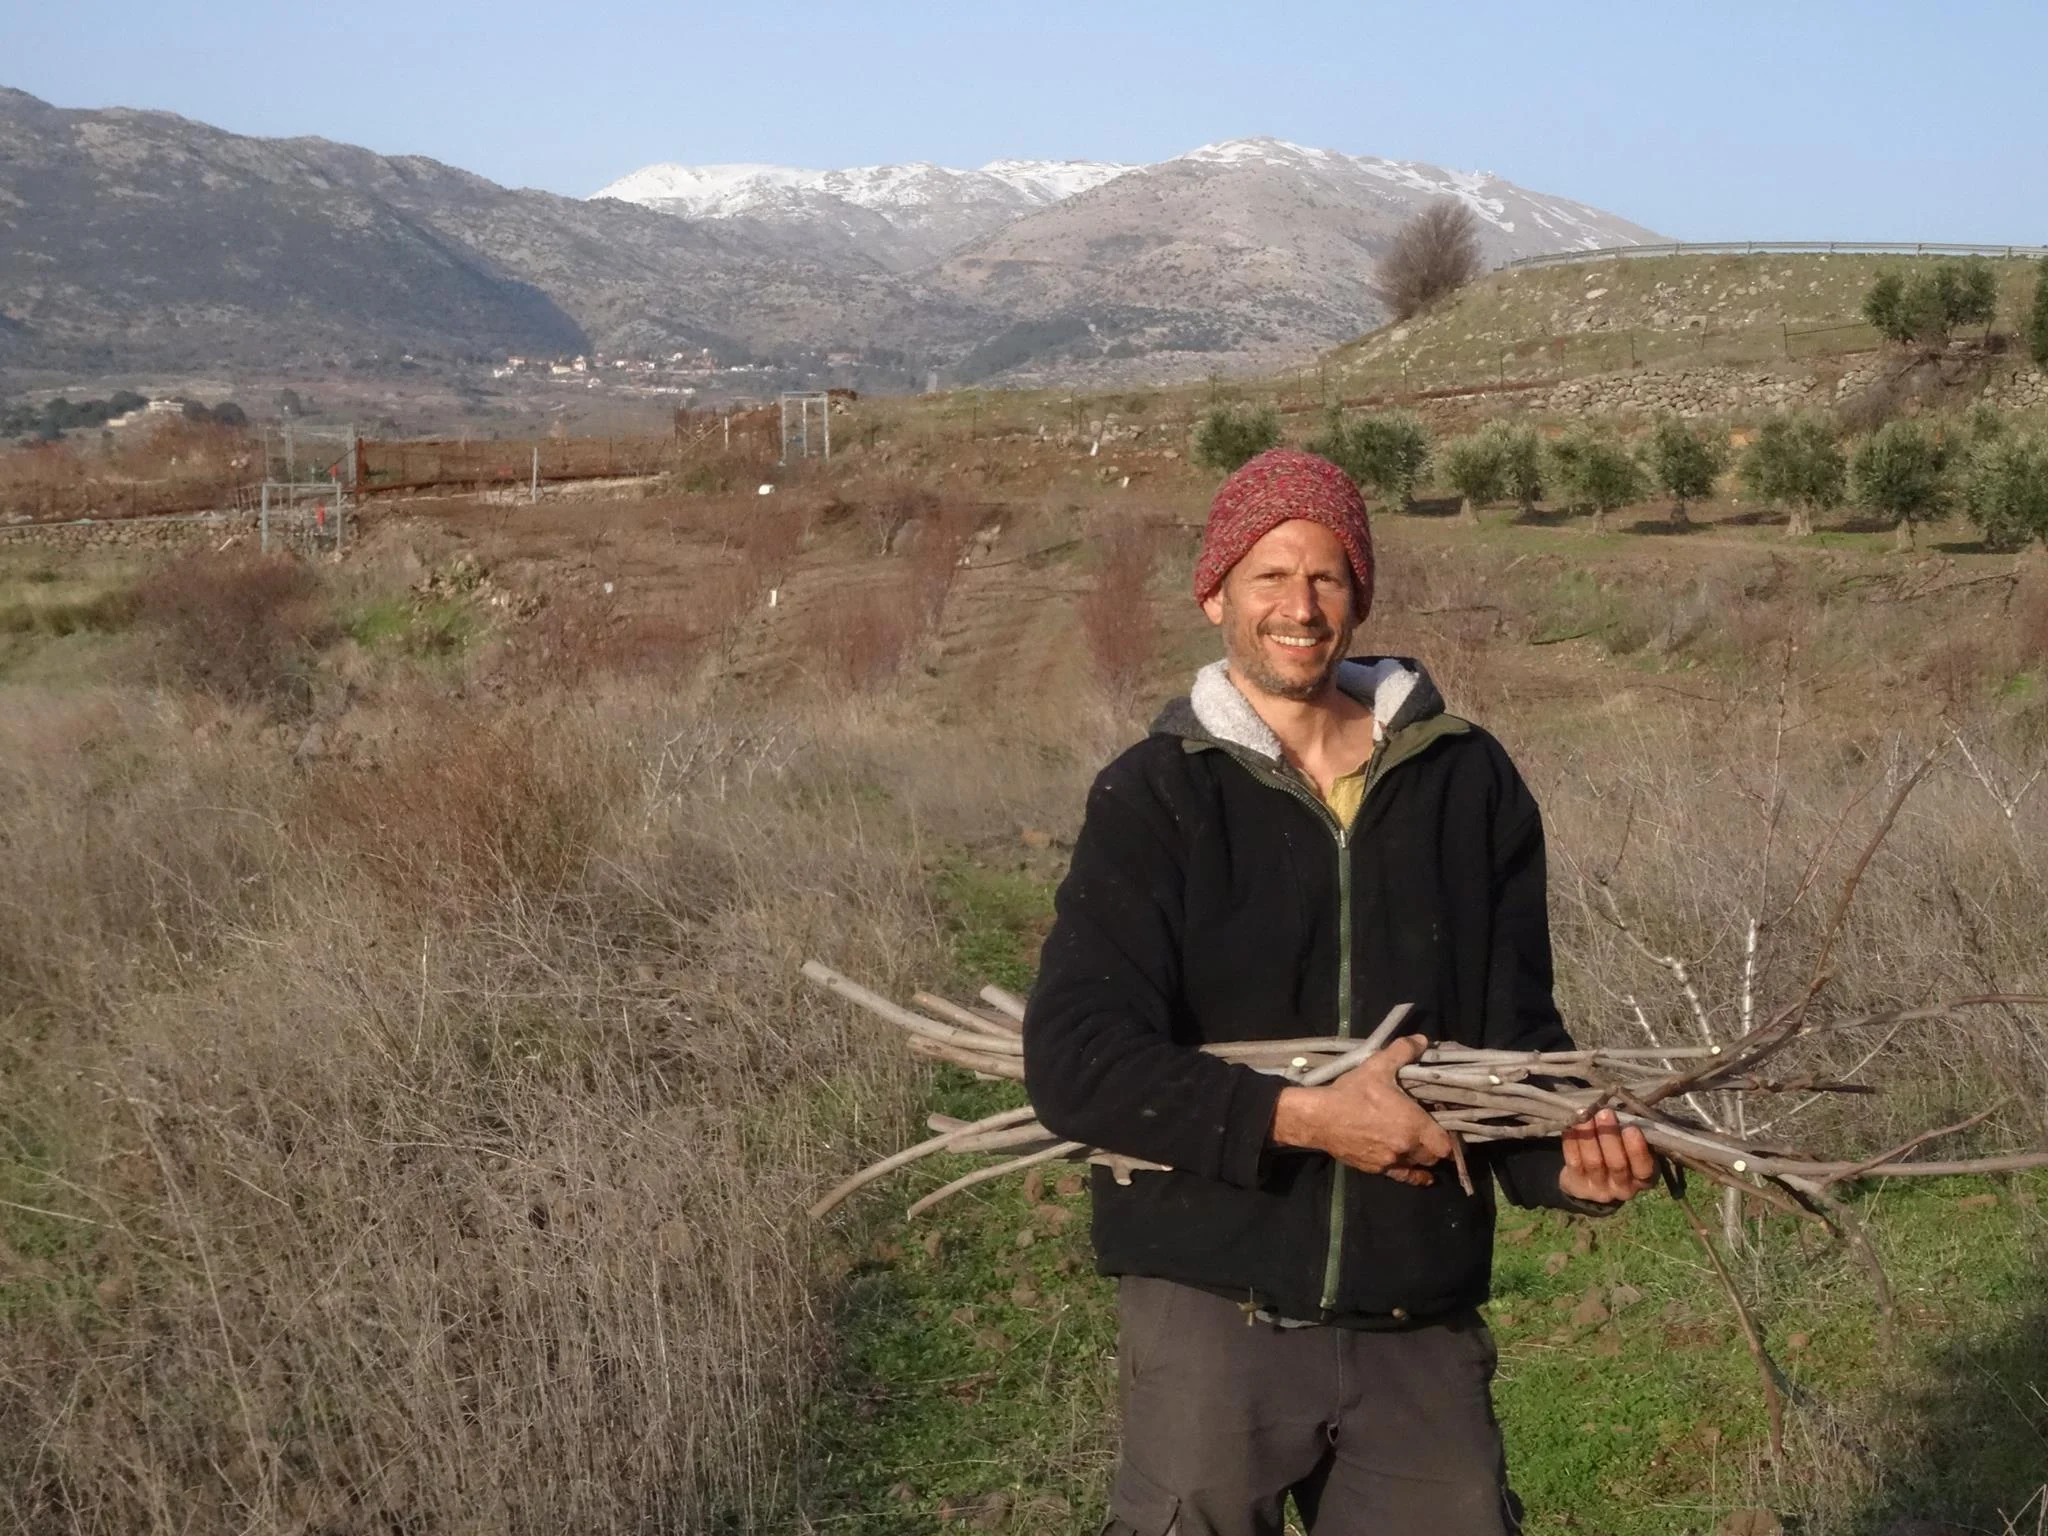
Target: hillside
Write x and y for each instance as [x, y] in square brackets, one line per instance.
[1780, 311]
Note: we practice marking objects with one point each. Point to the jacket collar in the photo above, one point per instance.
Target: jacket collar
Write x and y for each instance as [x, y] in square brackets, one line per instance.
[1397, 690]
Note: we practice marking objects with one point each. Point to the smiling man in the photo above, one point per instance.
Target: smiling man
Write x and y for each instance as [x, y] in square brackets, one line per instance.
[1301, 843]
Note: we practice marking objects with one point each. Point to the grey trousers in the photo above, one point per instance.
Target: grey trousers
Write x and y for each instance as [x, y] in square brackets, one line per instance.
[1374, 1434]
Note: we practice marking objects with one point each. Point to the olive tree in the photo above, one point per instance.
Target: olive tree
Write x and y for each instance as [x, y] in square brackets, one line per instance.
[1597, 474]
[1686, 463]
[1472, 467]
[1229, 435]
[2005, 491]
[1388, 452]
[1795, 463]
[1901, 472]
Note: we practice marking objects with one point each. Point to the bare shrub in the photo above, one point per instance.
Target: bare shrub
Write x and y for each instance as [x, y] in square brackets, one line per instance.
[859, 634]
[242, 627]
[1117, 621]
[1430, 257]
[941, 538]
[473, 812]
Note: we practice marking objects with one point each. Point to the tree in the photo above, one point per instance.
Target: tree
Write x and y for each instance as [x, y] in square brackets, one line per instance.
[2037, 319]
[1901, 471]
[1472, 467]
[1430, 257]
[2005, 491]
[1521, 462]
[1595, 473]
[1796, 463]
[229, 414]
[1387, 453]
[1228, 435]
[1686, 463]
[1931, 303]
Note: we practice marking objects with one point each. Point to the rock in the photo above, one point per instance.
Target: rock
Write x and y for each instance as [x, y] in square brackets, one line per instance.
[1591, 1311]
[1034, 837]
[1623, 1296]
[1071, 1184]
[1554, 1263]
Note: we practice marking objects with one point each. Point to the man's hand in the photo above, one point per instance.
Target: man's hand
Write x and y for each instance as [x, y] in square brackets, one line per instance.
[1605, 1161]
[1365, 1120]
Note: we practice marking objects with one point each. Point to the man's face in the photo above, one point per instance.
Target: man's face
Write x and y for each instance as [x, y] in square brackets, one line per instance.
[1286, 611]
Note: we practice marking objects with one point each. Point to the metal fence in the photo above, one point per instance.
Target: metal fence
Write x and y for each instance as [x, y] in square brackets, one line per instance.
[1759, 247]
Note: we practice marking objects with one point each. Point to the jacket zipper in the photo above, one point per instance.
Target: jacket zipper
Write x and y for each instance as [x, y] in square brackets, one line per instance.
[1333, 1256]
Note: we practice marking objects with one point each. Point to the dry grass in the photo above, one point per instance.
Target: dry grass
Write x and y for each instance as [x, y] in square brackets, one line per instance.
[423, 1142]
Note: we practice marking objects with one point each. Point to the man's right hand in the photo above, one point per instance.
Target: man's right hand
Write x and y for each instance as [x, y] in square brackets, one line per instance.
[1365, 1120]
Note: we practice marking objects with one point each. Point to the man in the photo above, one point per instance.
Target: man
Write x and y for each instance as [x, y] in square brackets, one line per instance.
[1300, 844]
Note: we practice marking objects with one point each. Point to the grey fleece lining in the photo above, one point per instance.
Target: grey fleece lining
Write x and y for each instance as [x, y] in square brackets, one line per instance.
[1395, 691]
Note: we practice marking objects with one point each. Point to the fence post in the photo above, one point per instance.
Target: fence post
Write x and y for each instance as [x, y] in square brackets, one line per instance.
[533, 485]
[263, 522]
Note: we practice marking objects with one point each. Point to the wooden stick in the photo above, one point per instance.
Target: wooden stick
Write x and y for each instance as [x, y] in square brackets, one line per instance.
[1053, 1153]
[937, 1143]
[1003, 1002]
[1774, 1404]
[967, 1018]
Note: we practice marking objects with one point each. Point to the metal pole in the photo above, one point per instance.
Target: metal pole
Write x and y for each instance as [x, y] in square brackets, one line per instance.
[264, 522]
[828, 423]
[533, 485]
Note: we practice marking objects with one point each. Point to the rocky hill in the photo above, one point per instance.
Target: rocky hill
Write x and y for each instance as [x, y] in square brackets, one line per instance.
[140, 240]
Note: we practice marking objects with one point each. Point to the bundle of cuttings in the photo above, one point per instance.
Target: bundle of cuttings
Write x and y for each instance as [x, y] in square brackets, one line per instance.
[1476, 1095]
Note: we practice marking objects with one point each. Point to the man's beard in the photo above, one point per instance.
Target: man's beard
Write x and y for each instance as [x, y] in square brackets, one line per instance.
[1248, 661]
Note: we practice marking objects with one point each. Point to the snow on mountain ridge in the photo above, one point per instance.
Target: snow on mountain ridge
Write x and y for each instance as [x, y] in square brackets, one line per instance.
[729, 191]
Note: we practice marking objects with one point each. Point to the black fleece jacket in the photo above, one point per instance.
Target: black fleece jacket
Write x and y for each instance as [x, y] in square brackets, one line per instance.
[1207, 901]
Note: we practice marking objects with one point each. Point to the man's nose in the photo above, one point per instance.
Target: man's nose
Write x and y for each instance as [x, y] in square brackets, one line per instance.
[1298, 602]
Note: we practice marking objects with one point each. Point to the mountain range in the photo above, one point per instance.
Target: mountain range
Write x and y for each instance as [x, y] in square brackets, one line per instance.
[134, 240]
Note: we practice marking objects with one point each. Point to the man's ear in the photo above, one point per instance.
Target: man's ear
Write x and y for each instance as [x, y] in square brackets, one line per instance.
[1212, 605]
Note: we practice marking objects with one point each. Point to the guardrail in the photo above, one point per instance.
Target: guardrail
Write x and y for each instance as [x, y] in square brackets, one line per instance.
[1756, 247]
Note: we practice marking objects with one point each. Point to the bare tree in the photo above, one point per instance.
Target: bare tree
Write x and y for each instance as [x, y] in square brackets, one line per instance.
[1432, 255]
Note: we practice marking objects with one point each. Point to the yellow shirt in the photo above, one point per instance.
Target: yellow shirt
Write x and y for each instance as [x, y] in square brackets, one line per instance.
[1346, 794]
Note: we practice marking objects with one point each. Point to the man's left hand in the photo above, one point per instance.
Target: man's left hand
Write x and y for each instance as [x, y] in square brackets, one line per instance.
[1606, 1162]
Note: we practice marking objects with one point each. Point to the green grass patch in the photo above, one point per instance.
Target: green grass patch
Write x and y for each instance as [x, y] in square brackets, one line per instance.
[995, 920]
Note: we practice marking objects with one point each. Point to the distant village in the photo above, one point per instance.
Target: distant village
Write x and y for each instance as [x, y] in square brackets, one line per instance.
[683, 375]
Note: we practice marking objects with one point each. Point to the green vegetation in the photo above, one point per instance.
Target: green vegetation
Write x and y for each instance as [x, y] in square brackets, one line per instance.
[1901, 472]
[1686, 463]
[2037, 318]
[1229, 435]
[1593, 473]
[1933, 301]
[2005, 491]
[1472, 467]
[1795, 462]
[1387, 452]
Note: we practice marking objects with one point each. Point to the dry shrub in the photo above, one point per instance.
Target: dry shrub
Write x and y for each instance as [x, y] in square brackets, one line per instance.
[1430, 257]
[242, 627]
[379, 1222]
[474, 812]
[943, 530]
[860, 634]
[1117, 621]
[2030, 623]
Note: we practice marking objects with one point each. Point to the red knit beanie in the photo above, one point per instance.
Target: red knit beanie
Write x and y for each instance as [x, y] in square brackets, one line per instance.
[1280, 484]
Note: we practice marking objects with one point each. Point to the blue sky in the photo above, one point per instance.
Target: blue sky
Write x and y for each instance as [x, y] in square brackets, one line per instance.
[1796, 120]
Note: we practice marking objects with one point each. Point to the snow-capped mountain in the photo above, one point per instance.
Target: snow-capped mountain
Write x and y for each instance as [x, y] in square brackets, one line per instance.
[1515, 222]
[899, 216]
